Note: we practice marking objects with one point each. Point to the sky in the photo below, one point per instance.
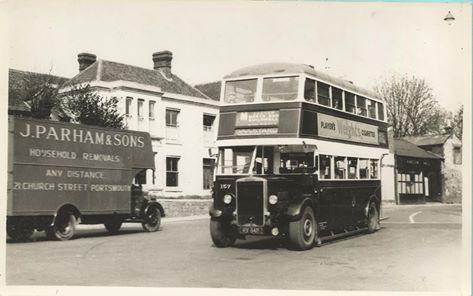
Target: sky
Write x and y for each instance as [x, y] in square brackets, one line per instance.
[362, 42]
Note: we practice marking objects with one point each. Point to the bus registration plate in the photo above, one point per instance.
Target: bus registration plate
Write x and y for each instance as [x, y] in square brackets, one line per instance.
[251, 230]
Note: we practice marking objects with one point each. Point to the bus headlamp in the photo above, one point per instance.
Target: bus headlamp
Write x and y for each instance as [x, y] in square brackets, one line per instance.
[227, 199]
[273, 199]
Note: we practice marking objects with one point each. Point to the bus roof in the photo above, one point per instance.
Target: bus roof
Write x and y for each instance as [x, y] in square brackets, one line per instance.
[293, 68]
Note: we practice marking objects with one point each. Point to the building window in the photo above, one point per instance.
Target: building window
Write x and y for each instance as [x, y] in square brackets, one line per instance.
[361, 106]
[140, 108]
[128, 102]
[457, 155]
[208, 122]
[172, 171]
[152, 104]
[172, 118]
[337, 99]
[323, 93]
[350, 102]
[208, 171]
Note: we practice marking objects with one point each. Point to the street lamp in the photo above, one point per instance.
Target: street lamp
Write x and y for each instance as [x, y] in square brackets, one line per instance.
[449, 18]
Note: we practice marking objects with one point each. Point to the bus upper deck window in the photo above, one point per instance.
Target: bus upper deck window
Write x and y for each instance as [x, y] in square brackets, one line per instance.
[361, 106]
[241, 91]
[349, 102]
[323, 93]
[380, 111]
[280, 88]
[309, 90]
[337, 99]
[371, 109]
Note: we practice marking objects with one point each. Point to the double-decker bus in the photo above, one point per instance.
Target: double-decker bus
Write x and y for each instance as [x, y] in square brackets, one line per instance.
[299, 156]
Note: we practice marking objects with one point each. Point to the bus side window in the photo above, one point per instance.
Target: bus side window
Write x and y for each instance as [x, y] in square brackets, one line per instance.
[325, 167]
[352, 166]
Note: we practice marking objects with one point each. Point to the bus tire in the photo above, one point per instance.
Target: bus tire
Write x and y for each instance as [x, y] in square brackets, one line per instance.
[373, 218]
[113, 226]
[21, 231]
[152, 219]
[64, 226]
[223, 234]
[303, 233]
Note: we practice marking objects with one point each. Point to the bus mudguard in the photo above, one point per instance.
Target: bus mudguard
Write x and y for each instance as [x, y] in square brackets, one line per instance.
[294, 210]
[214, 213]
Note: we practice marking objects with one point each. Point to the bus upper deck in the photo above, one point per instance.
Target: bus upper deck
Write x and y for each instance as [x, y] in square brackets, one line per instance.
[295, 101]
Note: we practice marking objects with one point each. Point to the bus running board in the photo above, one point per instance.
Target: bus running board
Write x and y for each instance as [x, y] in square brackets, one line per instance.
[342, 234]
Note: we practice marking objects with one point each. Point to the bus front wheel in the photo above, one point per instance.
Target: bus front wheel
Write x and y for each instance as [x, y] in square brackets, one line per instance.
[223, 234]
[302, 233]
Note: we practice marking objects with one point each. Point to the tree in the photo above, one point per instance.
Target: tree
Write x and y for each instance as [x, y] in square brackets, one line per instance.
[457, 123]
[37, 91]
[411, 108]
[83, 105]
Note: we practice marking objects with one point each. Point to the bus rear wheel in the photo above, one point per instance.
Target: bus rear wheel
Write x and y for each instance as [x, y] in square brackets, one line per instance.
[64, 227]
[373, 218]
[303, 233]
[223, 234]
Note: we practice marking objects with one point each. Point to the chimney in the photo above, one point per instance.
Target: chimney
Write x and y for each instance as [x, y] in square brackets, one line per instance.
[85, 60]
[162, 61]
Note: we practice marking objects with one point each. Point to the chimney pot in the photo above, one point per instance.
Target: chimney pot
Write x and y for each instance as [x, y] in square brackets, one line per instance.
[85, 60]
[162, 61]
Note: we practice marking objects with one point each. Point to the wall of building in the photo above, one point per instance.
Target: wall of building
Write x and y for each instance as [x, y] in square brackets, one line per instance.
[452, 172]
[388, 192]
[188, 141]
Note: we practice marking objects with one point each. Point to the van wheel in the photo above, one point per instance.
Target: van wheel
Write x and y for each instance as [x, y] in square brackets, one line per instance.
[64, 227]
[223, 234]
[113, 226]
[373, 218]
[152, 220]
[303, 233]
[21, 231]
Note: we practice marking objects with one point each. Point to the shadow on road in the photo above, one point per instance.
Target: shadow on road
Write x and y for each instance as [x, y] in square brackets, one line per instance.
[41, 237]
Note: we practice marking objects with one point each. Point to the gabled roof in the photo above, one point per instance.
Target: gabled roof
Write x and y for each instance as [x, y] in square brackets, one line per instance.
[18, 86]
[211, 89]
[407, 149]
[291, 68]
[108, 71]
[428, 140]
